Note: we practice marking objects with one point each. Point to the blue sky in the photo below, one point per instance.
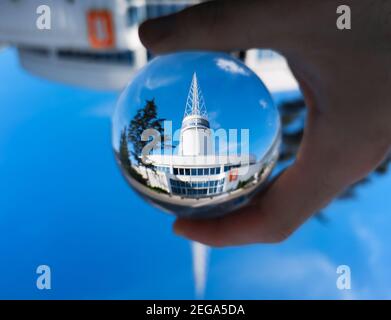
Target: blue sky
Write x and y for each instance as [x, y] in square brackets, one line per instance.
[64, 203]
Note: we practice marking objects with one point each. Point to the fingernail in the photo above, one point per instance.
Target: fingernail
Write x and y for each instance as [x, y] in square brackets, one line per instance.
[155, 30]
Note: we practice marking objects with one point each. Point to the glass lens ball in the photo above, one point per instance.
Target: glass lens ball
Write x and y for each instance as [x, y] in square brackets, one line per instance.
[196, 133]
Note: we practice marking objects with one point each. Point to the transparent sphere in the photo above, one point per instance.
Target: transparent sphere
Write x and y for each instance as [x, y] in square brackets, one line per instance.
[196, 133]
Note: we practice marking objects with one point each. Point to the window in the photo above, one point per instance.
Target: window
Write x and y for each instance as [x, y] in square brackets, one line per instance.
[175, 171]
[39, 51]
[218, 170]
[200, 172]
[193, 172]
[212, 170]
[116, 57]
[206, 171]
[187, 172]
[181, 171]
[134, 15]
[226, 168]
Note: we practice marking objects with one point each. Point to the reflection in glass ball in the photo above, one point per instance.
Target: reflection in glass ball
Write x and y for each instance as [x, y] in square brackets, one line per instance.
[196, 133]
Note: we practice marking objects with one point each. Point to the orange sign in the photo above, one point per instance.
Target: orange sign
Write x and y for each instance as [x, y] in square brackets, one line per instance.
[233, 175]
[100, 29]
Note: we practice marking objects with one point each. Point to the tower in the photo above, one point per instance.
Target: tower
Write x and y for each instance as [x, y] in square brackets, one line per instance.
[195, 132]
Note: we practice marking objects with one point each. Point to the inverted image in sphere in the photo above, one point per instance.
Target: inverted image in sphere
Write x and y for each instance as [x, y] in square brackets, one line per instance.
[196, 133]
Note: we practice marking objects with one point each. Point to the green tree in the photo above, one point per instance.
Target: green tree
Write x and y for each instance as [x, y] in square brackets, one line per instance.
[145, 118]
[124, 155]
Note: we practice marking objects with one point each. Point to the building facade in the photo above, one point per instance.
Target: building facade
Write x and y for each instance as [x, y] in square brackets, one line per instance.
[197, 170]
[95, 43]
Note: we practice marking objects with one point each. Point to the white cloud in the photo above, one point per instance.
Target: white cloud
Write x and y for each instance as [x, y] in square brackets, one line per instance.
[231, 67]
[213, 116]
[302, 275]
[157, 82]
[263, 103]
[369, 240]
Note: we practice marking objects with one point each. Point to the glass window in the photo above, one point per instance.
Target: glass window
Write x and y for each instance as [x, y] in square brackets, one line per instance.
[117, 57]
[206, 171]
[212, 170]
[218, 170]
[193, 172]
[175, 170]
[134, 15]
[181, 171]
[200, 172]
[187, 172]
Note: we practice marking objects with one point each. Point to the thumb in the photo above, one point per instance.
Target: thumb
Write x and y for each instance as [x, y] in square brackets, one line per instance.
[223, 25]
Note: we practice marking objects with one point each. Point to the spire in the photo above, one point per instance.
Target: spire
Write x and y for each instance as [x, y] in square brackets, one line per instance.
[195, 105]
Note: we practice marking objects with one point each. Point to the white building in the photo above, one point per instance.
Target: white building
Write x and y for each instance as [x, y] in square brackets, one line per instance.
[95, 43]
[91, 43]
[197, 171]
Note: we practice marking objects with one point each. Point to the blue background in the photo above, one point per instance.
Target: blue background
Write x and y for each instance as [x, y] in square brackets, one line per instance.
[64, 203]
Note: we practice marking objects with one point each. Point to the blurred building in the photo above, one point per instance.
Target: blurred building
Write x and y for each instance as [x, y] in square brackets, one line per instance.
[92, 43]
[95, 43]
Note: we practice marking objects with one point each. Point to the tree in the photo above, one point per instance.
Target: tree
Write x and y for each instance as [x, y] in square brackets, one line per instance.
[124, 155]
[145, 118]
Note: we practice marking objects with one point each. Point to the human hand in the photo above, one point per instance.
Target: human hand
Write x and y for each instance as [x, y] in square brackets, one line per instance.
[345, 78]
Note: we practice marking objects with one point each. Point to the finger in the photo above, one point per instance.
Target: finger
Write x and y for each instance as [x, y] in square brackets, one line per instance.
[230, 25]
[325, 166]
[270, 218]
